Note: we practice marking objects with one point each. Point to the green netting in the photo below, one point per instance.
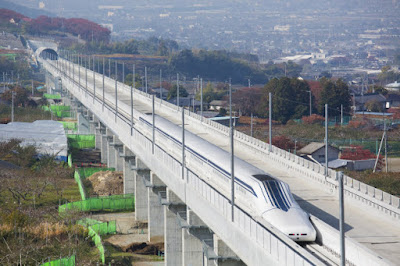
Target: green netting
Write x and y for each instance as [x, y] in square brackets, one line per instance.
[81, 141]
[86, 172]
[69, 160]
[70, 261]
[51, 96]
[56, 108]
[69, 125]
[102, 228]
[63, 114]
[97, 241]
[80, 185]
[123, 202]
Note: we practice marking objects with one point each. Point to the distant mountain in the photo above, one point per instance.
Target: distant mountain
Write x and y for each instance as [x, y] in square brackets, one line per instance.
[29, 12]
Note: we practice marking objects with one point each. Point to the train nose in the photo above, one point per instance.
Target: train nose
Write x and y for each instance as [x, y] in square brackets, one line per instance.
[294, 223]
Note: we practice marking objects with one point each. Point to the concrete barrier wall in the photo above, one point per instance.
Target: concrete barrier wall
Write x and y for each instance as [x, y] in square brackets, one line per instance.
[356, 254]
[256, 242]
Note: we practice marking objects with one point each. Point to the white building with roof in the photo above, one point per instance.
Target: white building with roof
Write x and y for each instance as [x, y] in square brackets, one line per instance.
[47, 136]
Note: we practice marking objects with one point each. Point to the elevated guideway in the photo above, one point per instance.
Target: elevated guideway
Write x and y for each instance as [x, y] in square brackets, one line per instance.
[372, 217]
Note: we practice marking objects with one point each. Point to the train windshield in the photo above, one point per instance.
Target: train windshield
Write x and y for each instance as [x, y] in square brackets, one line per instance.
[276, 192]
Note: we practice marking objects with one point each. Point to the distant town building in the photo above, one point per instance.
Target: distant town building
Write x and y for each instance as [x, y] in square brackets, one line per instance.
[395, 86]
[216, 105]
[360, 101]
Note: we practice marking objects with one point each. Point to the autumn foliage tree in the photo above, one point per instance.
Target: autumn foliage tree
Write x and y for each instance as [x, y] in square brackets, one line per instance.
[247, 100]
[283, 142]
[84, 28]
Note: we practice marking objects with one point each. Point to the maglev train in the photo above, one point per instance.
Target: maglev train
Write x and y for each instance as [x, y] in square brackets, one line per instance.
[265, 195]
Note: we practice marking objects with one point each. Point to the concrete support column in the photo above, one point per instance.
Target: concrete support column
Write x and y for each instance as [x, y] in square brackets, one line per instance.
[97, 136]
[140, 190]
[224, 255]
[192, 241]
[104, 145]
[155, 209]
[172, 230]
[83, 123]
[110, 149]
[118, 146]
[129, 175]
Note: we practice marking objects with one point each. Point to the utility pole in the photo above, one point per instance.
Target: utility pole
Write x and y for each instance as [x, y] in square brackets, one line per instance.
[310, 103]
[248, 80]
[32, 86]
[341, 221]
[270, 122]
[232, 153]
[326, 141]
[341, 114]
[386, 158]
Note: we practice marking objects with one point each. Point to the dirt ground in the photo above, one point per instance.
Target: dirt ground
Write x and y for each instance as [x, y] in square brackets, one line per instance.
[131, 239]
[394, 164]
[107, 183]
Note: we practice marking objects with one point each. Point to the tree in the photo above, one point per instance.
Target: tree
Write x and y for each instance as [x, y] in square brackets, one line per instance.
[128, 80]
[246, 100]
[335, 94]
[289, 99]
[172, 93]
[20, 96]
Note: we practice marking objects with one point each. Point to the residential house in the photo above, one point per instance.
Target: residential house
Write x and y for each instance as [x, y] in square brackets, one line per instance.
[315, 151]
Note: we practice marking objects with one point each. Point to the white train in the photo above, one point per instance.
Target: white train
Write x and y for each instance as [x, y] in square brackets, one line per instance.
[255, 189]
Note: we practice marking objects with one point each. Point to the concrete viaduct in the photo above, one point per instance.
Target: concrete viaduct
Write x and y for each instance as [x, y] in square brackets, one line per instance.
[193, 218]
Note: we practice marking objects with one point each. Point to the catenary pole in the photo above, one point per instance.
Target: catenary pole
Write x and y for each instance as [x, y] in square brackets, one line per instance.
[232, 153]
[145, 78]
[177, 89]
[116, 90]
[154, 121]
[326, 141]
[183, 142]
[201, 98]
[270, 121]
[251, 125]
[94, 80]
[341, 221]
[103, 82]
[160, 83]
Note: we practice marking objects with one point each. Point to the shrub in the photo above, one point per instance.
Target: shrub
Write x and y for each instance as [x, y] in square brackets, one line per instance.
[313, 119]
